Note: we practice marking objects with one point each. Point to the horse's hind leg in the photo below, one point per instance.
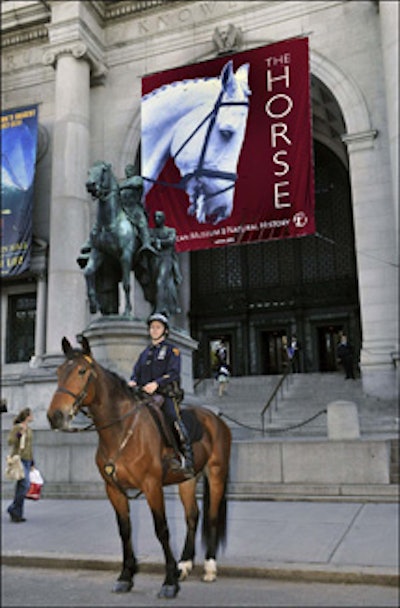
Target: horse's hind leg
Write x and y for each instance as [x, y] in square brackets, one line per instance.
[120, 503]
[187, 492]
[214, 521]
[155, 499]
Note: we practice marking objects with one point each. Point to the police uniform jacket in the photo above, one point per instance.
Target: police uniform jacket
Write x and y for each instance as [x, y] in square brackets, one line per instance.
[160, 363]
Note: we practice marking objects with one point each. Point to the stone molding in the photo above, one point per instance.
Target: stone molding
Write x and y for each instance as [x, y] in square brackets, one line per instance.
[363, 140]
[37, 33]
[119, 9]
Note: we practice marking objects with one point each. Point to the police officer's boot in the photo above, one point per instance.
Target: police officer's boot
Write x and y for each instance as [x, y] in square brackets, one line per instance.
[188, 466]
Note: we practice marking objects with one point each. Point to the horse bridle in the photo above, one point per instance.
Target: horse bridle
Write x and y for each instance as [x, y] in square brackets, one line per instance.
[79, 399]
[200, 171]
[78, 403]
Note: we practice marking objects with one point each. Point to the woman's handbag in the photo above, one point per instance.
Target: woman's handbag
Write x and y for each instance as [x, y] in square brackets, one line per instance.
[36, 483]
[14, 468]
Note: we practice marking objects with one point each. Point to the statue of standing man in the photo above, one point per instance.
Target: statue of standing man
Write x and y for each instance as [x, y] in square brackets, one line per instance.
[166, 274]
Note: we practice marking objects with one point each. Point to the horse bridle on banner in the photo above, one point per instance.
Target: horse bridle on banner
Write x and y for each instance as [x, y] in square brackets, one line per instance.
[200, 171]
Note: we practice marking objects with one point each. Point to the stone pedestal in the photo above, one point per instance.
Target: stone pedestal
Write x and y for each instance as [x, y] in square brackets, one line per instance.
[117, 342]
[343, 420]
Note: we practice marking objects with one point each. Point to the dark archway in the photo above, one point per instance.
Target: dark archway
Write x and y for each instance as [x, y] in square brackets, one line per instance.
[293, 286]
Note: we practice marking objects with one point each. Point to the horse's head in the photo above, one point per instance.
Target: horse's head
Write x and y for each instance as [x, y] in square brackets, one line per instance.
[100, 179]
[206, 145]
[75, 387]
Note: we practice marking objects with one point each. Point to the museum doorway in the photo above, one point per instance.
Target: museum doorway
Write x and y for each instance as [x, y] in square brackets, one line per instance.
[328, 337]
[273, 351]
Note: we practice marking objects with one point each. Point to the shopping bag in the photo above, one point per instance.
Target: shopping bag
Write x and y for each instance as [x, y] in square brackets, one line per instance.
[14, 468]
[36, 483]
[34, 491]
[35, 477]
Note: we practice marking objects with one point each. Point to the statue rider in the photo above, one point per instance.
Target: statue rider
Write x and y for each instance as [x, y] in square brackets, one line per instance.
[131, 193]
[158, 371]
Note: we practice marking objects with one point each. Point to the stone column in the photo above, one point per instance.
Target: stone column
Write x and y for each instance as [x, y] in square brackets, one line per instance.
[376, 262]
[40, 332]
[66, 312]
[389, 21]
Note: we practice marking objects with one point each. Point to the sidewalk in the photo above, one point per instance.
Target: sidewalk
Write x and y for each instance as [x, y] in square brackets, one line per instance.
[329, 541]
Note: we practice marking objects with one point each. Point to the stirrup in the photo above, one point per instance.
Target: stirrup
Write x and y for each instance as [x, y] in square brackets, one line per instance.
[187, 469]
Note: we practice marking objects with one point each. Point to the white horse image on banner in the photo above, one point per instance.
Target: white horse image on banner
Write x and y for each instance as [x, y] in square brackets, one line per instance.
[201, 124]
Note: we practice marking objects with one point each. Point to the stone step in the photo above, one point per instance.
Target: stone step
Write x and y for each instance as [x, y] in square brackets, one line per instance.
[248, 491]
[301, 398]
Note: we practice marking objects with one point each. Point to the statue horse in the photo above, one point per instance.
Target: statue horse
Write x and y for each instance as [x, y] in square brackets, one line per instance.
[113, 234]
[201, 124]
[132, 453]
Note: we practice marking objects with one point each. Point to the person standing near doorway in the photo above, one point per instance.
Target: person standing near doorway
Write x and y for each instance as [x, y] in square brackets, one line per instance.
[345, 356]
[293, 354]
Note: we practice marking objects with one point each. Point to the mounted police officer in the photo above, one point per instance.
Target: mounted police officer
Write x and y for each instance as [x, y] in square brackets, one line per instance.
[158, 371]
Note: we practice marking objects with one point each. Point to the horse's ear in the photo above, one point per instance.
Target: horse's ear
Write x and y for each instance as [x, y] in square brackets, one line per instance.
[226, 74]
[85, 345]
[66, 345]
[242, 76]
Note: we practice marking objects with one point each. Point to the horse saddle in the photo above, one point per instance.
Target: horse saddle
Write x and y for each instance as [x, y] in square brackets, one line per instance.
[171, 437]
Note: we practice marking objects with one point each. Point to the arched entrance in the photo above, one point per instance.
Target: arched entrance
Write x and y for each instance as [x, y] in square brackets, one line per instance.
[261, 293]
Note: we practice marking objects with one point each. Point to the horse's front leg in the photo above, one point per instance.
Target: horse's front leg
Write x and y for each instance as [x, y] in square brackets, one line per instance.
[120, 503]
[155, 499]
[126, 261]
[91, 268]
[187, 492]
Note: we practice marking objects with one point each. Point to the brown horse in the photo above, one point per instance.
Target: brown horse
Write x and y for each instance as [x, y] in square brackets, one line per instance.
[133, 453]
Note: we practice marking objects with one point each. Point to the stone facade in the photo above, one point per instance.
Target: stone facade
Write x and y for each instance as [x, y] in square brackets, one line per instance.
[82, 62]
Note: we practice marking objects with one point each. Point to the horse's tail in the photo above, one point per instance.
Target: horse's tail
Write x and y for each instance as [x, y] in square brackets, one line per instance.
[221, 515]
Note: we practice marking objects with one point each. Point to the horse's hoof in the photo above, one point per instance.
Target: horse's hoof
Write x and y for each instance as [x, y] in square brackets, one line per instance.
[185, 568]
[122, 586]
[169, 591]
[210, 571]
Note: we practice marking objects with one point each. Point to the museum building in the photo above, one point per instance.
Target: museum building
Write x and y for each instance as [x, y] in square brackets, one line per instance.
[81, 64]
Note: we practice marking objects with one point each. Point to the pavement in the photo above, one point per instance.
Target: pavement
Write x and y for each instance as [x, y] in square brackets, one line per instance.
[346, 542]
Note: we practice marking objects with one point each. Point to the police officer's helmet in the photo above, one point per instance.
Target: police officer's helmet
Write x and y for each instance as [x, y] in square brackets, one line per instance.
[158, 316]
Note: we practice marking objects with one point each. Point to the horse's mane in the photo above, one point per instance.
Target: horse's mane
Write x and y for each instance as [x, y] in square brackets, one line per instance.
[177, 83]
[120, 382]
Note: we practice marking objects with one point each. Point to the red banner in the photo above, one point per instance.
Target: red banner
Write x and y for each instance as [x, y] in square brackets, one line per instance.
[227, 147]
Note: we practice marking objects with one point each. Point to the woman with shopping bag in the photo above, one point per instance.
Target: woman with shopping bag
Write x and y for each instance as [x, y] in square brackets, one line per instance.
[20, 440]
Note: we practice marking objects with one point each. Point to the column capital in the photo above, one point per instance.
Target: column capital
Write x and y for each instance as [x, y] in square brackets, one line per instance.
[78, 50]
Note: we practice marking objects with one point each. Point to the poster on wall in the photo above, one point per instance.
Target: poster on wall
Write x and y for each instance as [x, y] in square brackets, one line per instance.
[18, 160]
[226, 147]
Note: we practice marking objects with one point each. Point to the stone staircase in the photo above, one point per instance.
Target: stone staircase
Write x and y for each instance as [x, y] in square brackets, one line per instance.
[299, 409]
[299, 404]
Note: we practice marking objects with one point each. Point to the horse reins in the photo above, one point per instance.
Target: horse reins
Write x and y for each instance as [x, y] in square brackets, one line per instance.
[200, 171]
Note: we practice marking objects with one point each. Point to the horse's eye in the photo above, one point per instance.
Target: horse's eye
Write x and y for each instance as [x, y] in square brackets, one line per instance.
[82, 371]
[226, 134]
